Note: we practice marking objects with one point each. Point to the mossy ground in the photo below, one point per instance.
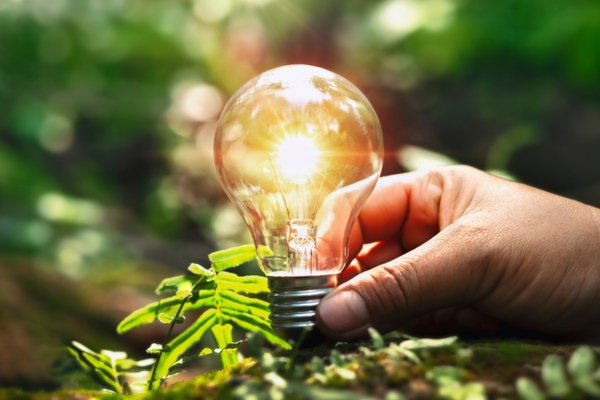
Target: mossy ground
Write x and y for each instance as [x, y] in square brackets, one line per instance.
[358, 370]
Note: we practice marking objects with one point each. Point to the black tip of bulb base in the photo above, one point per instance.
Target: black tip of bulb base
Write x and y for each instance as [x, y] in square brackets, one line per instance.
[294, 300]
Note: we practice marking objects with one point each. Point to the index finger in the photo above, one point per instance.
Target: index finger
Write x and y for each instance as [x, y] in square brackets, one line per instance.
[403, 207]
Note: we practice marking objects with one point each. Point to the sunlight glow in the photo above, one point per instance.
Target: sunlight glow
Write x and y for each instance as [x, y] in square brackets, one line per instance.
[395, 19]
[297, 158]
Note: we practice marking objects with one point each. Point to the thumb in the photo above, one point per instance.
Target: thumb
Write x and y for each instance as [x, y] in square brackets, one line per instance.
[444, 272]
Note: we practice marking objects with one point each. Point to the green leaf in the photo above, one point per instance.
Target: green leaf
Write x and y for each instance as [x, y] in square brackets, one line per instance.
[582, 362]
[205, 351]
[127, 364]
[168, 319]
[149, 313]
[271, 363]
[320, 377]
[378, 341]
[252, 390]
[176, 283]
[275, 379]
[345, 374]
[297, 372]
[170, 305]
[85, 349]
[317, 365]
[184, 283]
[103, 371]
[528, 390]
[223, 334]
[419, 344]
[252, 323]
[231, 347]
[114, 355]
[264, 251]
[243, 304]
[246, 284]
[108, 379]
[138, 387]
[393, 395]
[156, 348]
[185, 340]
[336, 358]
[398, 349]
[301, 390]
[554, 376]
[223, 337]
[367, 352]
[445, 374]
[474, 391]
[255, 343]
[197, 269]
[80, 363]
[232, 257]
[588, 386]
[456, 391]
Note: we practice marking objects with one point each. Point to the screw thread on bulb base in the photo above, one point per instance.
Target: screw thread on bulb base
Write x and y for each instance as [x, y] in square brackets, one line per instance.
[294, 300]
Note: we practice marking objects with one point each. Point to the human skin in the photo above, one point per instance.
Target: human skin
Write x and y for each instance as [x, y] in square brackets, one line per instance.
[456, 249]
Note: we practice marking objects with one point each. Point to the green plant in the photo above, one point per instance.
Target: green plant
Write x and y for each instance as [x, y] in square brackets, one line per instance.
[581, 380]
[218, 292]
[331, 376]
[109, 367]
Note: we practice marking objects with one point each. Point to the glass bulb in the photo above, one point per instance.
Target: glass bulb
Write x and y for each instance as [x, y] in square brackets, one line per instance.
[298, 149]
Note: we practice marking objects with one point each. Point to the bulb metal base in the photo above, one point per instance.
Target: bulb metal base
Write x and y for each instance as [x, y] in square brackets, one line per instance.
[293, 305]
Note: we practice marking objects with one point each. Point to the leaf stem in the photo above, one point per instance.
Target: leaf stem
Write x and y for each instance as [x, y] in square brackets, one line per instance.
[166, 340]
[296, 347]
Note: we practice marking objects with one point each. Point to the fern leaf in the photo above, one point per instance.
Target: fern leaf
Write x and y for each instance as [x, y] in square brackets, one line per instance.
[128, 364]
[149, 313]
[252, 323]
[169, 319]
[182, 282]
[244, 304]
[85, 349]
[232, 257]
[223, 337]
[77, 357]
[169, 306]
[198, 269]
[246, 284]
[264, 251]
[185, 340]
[103, 371]
[108, 380]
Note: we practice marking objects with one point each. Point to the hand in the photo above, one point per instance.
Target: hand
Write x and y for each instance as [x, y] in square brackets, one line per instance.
[460, 249]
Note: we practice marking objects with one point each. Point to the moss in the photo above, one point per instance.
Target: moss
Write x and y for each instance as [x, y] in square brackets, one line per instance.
[358, 371]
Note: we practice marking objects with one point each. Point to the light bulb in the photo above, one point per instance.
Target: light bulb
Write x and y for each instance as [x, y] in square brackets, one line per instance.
[298, 149]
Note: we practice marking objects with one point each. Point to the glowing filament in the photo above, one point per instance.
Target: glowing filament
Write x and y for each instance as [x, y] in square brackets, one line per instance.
[297, 158]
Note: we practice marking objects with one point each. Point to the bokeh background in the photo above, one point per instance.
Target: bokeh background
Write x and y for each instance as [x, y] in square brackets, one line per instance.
[108, 109]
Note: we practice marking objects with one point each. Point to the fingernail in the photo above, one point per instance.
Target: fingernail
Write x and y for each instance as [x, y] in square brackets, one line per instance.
[344, 311]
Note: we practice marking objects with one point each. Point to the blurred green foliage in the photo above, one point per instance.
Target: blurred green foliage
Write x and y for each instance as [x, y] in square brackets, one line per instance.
[108, 110]
[107, 107]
